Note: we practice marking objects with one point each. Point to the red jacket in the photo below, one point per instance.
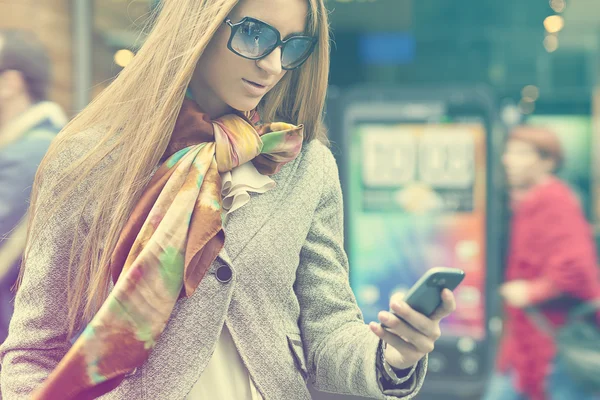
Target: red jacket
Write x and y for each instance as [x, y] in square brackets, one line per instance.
[551, 246]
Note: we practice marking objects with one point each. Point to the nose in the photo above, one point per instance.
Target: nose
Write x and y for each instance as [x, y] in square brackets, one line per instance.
[271, 63]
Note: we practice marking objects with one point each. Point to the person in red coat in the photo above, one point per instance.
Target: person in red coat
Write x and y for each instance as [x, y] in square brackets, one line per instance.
[552, 262]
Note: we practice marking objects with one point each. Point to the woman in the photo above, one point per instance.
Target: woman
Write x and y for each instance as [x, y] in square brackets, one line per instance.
[552, 264]
[130, 196]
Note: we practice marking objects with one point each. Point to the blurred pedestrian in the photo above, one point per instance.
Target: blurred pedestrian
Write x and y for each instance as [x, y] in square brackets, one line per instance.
[28, 123]
[552, 266]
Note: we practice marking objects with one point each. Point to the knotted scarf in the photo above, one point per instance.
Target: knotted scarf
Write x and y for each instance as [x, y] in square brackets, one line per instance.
[173, 235]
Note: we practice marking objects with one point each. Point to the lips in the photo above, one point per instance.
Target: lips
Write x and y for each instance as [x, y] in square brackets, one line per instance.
[258, 85]
[254, 89]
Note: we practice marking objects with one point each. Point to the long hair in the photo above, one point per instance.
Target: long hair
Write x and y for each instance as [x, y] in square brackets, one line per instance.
[137, 114]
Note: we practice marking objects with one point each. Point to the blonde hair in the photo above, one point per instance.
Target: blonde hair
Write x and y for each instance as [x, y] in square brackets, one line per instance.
[137, 114]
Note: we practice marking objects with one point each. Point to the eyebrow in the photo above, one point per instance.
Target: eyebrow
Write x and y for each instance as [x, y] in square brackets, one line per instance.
[294, 34]
[289, 35]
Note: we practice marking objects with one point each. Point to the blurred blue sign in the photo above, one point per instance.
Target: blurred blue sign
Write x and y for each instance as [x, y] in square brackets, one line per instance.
[387, 48]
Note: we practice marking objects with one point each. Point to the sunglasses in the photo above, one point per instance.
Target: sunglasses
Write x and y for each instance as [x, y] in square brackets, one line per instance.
[254, 39]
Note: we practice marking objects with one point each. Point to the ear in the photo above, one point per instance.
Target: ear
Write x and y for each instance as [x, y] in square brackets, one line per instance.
[549, 165]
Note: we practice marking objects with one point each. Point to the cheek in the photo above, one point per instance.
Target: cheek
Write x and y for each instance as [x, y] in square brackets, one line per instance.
[216, 62]
[283, 73]
[530, 164]
[519, 161]
[278, 80]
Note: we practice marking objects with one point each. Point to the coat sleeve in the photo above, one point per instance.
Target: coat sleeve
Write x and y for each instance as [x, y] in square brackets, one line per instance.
[570, 262]
[37, 338]
[341, 349]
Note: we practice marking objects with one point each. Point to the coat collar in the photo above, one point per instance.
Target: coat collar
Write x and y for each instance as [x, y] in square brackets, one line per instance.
[35, 115]
[244, 223]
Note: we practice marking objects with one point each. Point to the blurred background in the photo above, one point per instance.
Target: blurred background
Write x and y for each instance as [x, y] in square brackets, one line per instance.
[464, 72]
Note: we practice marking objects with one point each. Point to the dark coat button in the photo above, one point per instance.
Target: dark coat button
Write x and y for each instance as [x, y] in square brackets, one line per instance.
[224, 274]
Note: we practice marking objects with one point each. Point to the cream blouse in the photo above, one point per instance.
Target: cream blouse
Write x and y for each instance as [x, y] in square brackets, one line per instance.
[226, 377]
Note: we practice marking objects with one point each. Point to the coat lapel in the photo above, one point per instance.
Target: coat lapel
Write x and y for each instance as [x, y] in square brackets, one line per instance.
[245, 222]
[224, 256]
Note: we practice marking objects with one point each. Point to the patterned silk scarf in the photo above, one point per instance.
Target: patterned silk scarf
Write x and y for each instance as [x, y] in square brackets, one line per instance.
[173, 235]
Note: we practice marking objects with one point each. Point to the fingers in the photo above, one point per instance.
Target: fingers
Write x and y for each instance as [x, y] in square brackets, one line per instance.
[446, 308]
[408, 350]
[422, 342]
[418, 321]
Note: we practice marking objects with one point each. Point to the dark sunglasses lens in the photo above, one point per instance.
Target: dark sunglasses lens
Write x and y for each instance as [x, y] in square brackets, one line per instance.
[295, 52]
[253, 39]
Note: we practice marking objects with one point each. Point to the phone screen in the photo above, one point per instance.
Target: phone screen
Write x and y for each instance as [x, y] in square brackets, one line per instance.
[415, 195]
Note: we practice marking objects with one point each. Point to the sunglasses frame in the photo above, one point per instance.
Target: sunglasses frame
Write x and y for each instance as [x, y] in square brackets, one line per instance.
[280, 43]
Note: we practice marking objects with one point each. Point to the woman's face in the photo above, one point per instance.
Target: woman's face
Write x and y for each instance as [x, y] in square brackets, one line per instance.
[223, 80]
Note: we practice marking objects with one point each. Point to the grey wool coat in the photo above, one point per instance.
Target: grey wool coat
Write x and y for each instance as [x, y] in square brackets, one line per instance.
[289, 305]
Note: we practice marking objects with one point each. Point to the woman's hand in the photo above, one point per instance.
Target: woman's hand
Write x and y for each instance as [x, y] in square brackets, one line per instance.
[409, 339]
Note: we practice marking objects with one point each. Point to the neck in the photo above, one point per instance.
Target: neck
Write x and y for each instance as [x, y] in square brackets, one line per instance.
[519, 192]
[208, 102]
[541, 180]
[13, 108]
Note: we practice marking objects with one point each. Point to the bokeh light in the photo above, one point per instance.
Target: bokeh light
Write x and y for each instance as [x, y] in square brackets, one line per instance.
[554, 23]
[530, 93]
[558, 5]
[123, 57]
[551, 43]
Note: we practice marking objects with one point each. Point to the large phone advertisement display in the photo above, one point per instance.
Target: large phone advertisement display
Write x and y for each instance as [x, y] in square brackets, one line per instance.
[416, 196]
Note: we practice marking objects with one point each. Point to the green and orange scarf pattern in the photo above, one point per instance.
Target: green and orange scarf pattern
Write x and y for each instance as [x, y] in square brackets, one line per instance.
[173, 235]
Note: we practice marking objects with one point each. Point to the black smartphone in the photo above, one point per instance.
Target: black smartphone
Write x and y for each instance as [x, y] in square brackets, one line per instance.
[425, 296]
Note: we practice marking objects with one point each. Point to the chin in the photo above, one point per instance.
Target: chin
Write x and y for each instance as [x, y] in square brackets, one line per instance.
[243, 105]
